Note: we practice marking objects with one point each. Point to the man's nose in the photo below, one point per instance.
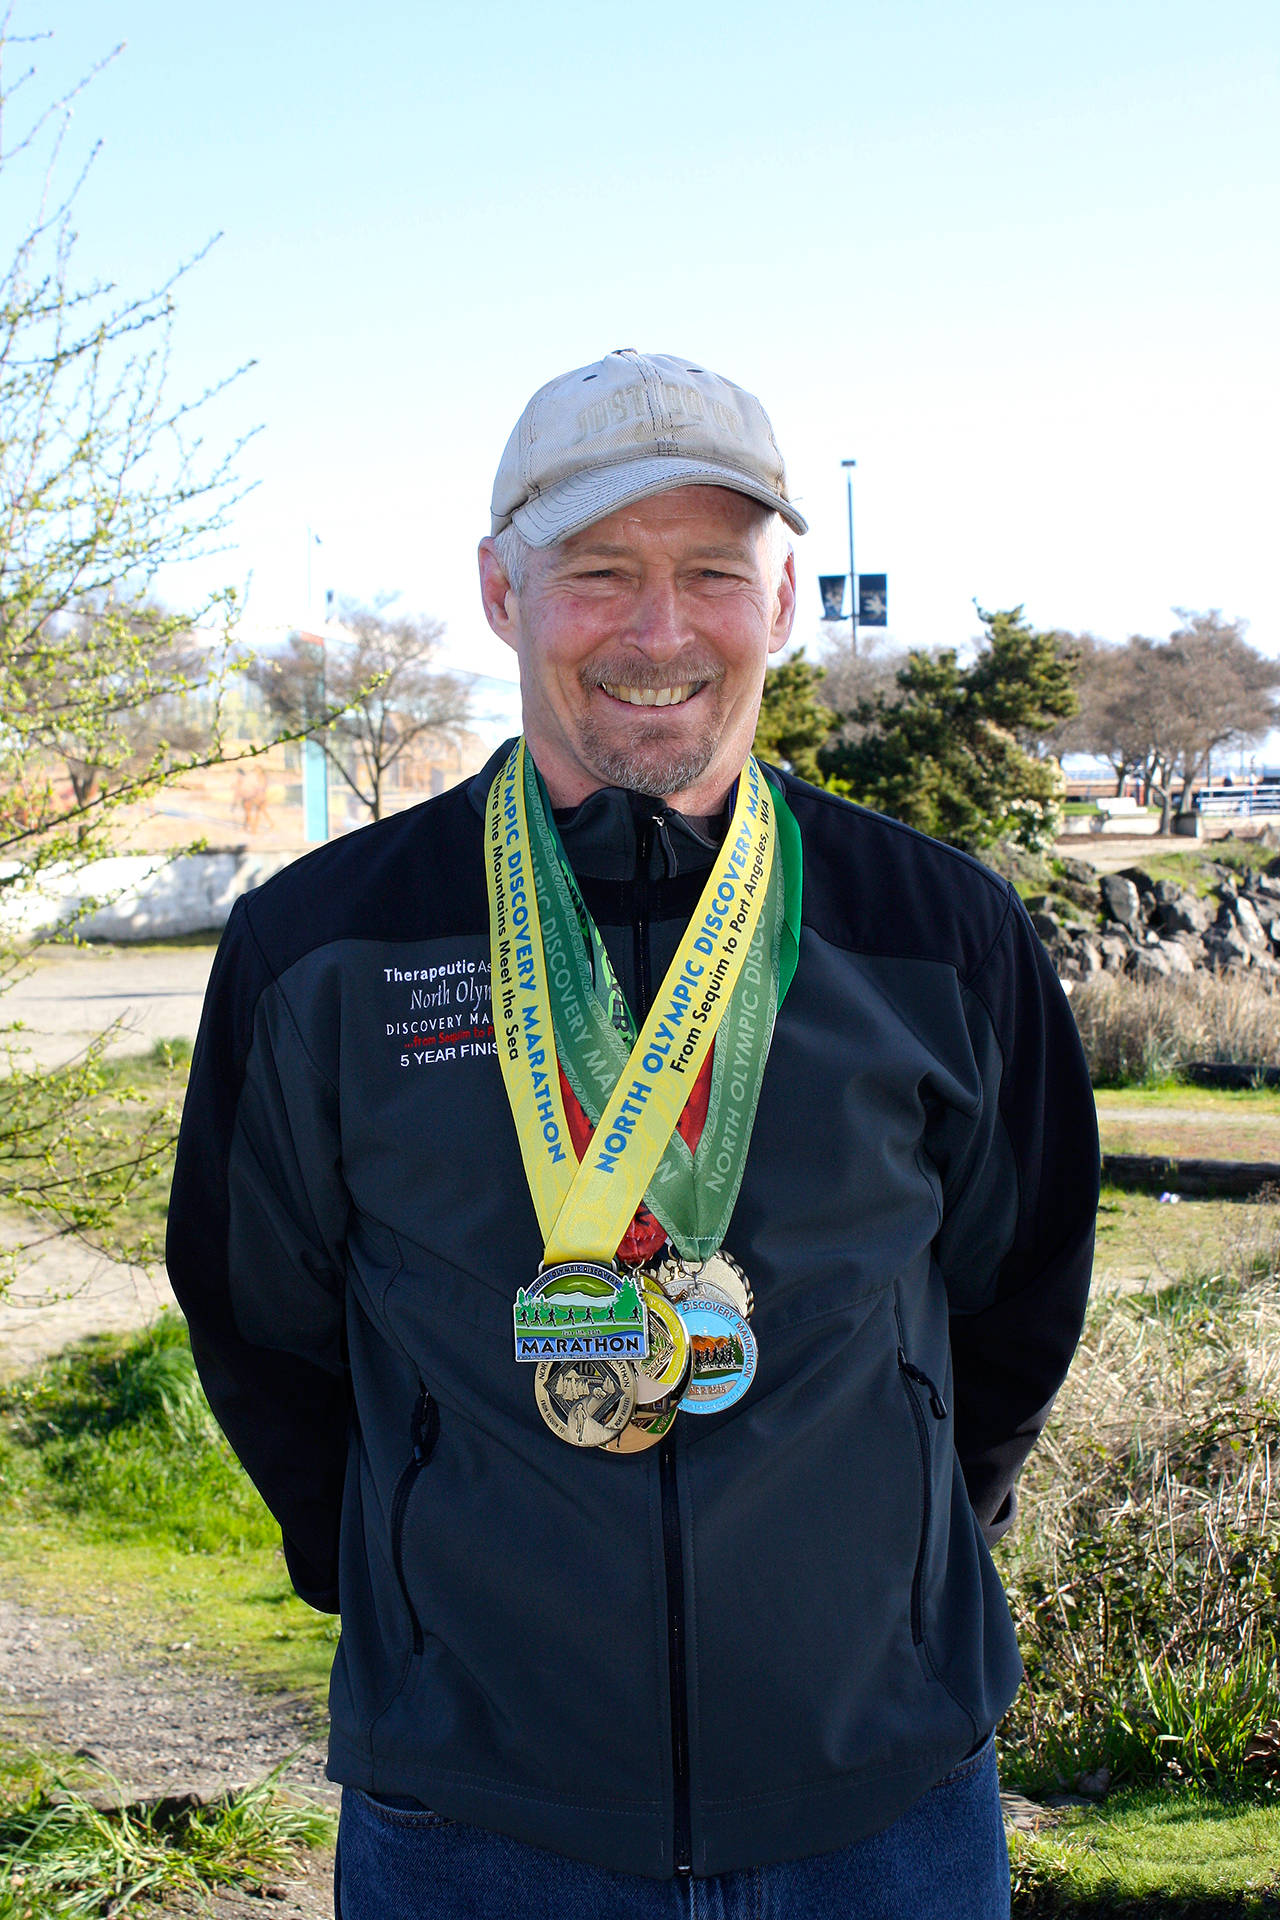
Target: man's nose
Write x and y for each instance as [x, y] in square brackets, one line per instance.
[657, 625]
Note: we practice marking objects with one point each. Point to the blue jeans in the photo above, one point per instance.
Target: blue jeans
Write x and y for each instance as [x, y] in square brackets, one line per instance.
[943, 1859]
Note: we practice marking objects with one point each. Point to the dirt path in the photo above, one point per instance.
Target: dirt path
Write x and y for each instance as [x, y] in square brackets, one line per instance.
[63, 1292]
[157, 1727]
[155, 993]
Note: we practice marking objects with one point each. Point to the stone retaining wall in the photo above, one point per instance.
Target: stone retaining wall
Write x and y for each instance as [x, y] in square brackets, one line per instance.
[148, 896]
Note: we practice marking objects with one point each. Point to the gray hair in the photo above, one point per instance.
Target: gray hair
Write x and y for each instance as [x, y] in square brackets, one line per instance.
[513, 549]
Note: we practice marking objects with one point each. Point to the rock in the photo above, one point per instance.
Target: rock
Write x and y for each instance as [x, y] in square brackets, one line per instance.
[1148, 963]
[1137, 877]
[1226, 948]
[1167, 891]
[1246, 918]
[1181, 912]
[1179, 959]
[1047, 925]
[1079, 872]
[1114, 951]
[1094, 1784]
[1120, 899]
[1023, 1814]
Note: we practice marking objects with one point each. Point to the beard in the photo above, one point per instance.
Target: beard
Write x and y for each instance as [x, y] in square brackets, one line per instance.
[643, 757]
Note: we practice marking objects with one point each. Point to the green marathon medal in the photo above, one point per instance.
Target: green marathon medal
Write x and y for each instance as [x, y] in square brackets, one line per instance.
[719, 998]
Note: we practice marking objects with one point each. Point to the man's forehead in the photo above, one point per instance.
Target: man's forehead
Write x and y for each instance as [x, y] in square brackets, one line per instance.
[705, 519]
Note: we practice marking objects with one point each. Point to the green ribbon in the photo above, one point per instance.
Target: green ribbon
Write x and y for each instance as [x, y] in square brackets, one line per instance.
[692, 1194]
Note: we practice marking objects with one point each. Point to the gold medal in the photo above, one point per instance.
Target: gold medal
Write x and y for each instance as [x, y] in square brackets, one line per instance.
[585, 1402]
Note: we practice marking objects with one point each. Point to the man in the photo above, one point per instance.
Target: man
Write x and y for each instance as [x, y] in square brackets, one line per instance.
[766, 1119]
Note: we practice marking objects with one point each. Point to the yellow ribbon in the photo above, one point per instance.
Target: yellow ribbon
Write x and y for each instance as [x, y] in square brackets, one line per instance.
[583, 1210]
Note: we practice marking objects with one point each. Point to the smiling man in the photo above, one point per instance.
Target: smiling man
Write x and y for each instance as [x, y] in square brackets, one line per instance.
[634, 1213]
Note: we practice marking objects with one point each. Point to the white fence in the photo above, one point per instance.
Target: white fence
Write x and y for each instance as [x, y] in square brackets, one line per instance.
[1242, 801]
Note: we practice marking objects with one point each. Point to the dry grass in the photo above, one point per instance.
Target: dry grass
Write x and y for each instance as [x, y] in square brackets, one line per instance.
[1145, 1571]
[1135, 1031]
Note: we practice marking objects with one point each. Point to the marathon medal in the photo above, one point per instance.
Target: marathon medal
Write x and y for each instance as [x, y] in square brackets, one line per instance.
[724, 1353]
[581, 1310]
[662, 1377]
[586, 1402]
[717, 1006]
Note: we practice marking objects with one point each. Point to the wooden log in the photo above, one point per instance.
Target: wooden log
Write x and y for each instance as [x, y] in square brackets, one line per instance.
[1230, 1073]
[1158, 1173]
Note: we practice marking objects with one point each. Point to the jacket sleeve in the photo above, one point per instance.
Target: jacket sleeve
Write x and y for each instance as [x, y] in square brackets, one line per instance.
[1020, 1195]
[255, 1240]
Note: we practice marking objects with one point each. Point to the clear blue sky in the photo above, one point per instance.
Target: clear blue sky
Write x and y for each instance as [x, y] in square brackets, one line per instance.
[1020, 260]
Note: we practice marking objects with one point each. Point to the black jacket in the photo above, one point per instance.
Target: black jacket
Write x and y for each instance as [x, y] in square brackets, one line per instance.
[770, 1635]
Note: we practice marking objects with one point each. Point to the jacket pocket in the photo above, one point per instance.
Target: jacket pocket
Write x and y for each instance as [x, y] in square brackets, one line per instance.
[424, 1432]
[919, 1388]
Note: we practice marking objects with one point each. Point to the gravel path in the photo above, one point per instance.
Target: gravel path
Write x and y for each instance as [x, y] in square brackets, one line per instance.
[157, 1727]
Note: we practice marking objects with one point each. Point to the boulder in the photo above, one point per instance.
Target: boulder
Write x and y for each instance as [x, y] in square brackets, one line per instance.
[1226, 948]
[1139, 878]
[1120, 899]
[1181, 911]
[1114, 950]
[1148, 963]
[1047, 925]
[1246, 918]
[1178, 956]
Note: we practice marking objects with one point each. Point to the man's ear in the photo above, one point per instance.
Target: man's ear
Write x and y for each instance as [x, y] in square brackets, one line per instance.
[785, 604]
[501, 606]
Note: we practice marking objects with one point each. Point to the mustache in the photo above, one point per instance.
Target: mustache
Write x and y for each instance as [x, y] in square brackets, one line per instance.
[650, 675]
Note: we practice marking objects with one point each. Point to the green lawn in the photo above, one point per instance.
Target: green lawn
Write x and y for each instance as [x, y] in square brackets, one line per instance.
[1178, 1852]
[121, 1502]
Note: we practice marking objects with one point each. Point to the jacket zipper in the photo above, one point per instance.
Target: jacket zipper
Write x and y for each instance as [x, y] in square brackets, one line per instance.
[938, 1408]
[423, 1432]
[672, 1546]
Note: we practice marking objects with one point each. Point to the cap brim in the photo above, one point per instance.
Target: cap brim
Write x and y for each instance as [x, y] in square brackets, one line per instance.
[587, 497]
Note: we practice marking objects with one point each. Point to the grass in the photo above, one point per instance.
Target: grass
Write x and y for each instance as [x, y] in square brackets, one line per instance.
[1143, 1851]
[1191, 1122]
[1141, 1239]
[88, 1147]
[1143, 1032]
[1144, 1572]
[64, 1856]
[111, 1448]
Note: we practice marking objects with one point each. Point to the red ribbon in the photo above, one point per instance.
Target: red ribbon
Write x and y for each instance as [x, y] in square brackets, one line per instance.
[645, 1234]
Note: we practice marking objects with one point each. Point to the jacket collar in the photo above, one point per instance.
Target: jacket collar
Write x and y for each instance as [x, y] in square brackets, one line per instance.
[602, 835]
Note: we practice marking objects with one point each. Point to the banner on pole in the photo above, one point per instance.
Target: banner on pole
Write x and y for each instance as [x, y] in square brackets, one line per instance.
[831, 587]
[873, 600]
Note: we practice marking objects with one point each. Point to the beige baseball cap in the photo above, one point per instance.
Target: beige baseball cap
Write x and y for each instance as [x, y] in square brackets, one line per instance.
[632, 425]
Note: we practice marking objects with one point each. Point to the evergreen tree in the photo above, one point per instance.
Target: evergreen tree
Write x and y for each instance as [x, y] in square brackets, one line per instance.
[794, 722]
[952, 750]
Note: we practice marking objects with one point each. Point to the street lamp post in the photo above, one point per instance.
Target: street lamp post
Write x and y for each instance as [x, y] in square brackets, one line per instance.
[849, 466]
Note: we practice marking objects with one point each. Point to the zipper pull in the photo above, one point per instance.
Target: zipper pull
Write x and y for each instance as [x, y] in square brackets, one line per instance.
[937, 1405]
[664, 841]
[426, 1425]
